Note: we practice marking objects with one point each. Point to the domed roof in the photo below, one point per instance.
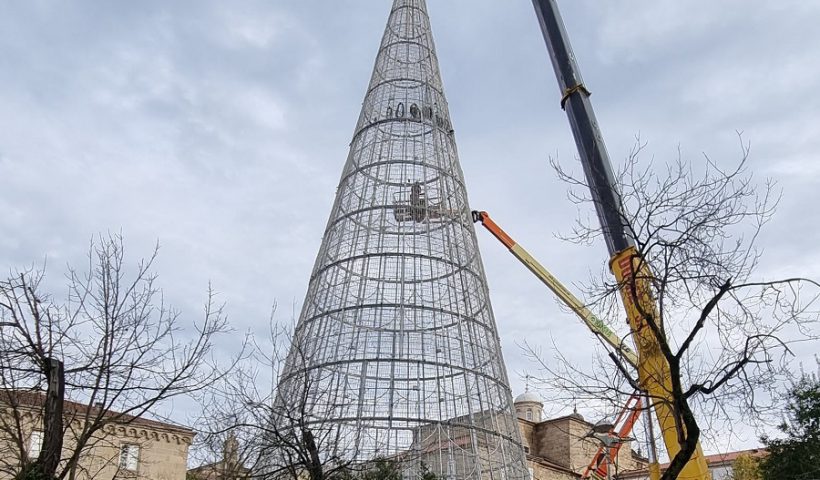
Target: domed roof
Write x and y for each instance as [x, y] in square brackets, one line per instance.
[527, 397]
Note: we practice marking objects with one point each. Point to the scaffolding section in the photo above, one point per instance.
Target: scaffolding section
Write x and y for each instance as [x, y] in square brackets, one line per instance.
[396, 353]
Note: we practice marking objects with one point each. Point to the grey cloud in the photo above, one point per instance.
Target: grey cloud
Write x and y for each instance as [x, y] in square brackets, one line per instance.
[221, 130]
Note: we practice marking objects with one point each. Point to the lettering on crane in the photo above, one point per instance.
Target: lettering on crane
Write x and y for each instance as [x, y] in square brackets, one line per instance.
[633, 288]
[629, 291]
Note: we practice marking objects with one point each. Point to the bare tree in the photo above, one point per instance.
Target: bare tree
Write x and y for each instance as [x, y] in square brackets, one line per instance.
[725, 331]
[123, 350]
[278, 433]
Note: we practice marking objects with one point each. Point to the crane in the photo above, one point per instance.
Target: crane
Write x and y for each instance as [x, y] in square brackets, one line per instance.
[632, 409]
[630, 269]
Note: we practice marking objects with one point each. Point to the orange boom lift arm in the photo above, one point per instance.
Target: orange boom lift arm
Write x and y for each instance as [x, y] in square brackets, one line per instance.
[632, 410]
[598, 327]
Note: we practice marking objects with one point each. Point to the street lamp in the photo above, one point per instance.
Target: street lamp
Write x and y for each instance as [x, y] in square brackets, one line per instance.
[602, 427]
[603, 431]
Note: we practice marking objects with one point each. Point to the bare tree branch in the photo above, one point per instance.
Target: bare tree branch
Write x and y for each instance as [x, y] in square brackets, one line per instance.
[725, 332]
[124, 351]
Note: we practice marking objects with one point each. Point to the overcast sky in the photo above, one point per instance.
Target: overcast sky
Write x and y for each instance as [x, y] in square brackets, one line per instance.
[220, 129]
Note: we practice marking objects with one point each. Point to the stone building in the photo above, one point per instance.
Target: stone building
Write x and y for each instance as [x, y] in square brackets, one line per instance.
[446, 447]
[559, 448]
[132, 448]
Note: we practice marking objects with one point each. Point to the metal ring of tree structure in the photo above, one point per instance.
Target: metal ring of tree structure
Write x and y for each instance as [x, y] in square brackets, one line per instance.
[396, 352]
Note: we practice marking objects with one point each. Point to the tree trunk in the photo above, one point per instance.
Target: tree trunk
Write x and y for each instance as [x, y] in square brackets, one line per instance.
[315, 468]
[52, 449]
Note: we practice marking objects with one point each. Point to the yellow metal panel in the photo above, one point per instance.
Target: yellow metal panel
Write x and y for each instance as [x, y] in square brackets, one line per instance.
[654, 471]
[653, 369]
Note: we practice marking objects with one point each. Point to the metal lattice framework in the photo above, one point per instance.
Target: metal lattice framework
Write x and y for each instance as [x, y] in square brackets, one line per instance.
[396, 352]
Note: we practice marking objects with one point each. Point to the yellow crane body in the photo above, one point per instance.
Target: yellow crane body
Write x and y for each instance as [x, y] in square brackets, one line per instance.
[635, 280]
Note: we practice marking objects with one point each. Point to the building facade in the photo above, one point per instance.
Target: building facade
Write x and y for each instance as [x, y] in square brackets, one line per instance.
[560, 448]
[132, 448]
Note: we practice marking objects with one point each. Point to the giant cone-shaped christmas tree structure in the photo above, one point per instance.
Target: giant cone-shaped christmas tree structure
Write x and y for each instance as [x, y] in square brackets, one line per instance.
[396, 353]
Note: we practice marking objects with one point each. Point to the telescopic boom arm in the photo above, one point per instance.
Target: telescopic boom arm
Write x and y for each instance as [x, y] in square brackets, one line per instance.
[630, 268]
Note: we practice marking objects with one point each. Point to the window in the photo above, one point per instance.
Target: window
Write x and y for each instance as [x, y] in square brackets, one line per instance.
[526, 449]
[529, 414]
[35, 444]
[129, 456]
